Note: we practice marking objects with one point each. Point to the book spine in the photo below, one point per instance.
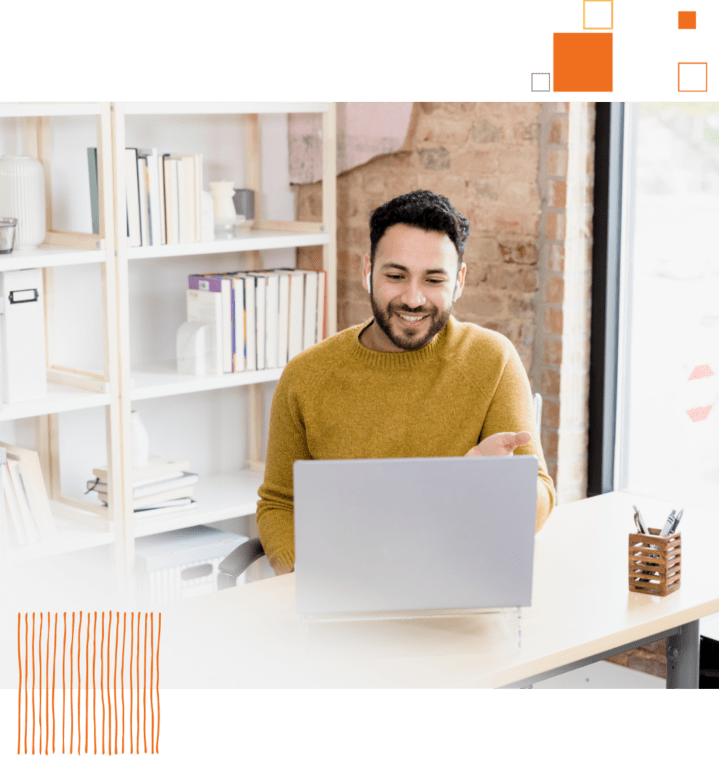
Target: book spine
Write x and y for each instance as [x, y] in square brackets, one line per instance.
[94, 194]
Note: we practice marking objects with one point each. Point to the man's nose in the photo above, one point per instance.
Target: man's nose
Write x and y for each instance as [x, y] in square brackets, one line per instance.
[413, 296]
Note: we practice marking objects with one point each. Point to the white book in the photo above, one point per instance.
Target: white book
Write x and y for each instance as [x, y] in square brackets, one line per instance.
[153, 194]
[283, 318]
[295, 325]
[250, 322]
[206, 307]
[172, 210]
[184, 232]
[31, 530]
[321, 294]
[272, 303]
[309, 336]
[198, 198]
[161, 193]
[261, 319]
[144, 202]
[155, 468]
[166, 509]
[147, 489]
[12, 505]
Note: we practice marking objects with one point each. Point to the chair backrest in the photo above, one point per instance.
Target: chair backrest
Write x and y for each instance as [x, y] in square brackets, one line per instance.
[538, 411]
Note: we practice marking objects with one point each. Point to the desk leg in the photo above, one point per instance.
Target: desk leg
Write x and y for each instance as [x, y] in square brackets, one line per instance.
[683, 657]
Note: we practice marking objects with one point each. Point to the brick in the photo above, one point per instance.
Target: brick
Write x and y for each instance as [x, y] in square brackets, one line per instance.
[558, 159]
[526, 355]
[374, 182]
[559, 131]
[524, 194]
[445, 133]
[556, 226]
[554, 290]
[486, 188]
[521, 161]
[452, 186]
[552, 351]
[483, 302]
[518, 252]
[526, 132]
[435, 159]
[557, 193]
[526, 333]
[485, 249]
[476, 274]
[556, 258]
[553, 320]
[477, 160]
[502, 326]
[550, 445]
[484, 132]
[522, 307]
[550, 414]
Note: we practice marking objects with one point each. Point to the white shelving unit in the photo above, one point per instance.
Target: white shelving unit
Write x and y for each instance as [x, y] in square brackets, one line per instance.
[220, 496]
[70, 389]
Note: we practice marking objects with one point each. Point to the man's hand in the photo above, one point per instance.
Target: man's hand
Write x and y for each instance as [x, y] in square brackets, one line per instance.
[278, 568]
[501, 444]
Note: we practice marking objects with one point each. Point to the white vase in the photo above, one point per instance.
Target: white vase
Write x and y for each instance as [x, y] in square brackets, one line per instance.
[140, 441]
[22, 196]
[222, 199]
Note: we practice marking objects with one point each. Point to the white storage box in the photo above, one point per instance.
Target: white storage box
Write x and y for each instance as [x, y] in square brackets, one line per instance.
[178, 564]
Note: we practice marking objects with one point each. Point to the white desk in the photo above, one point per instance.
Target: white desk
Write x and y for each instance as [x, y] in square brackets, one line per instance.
[582, 611]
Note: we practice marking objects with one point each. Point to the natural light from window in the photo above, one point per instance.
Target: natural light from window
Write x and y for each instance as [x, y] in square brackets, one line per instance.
[668, 406]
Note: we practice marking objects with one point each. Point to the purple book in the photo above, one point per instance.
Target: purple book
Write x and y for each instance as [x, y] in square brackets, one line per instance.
[206, 283]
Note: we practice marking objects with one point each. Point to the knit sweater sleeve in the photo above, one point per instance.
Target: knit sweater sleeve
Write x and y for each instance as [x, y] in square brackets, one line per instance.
[512, 410]
[286, 444]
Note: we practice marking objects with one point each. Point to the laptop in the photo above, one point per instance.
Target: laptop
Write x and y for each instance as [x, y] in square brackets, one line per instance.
[397, 536]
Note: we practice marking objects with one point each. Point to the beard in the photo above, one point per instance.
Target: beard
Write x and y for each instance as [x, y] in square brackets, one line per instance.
[406, 337]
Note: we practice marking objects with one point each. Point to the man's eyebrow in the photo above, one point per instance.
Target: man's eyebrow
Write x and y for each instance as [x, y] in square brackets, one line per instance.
[402, 268]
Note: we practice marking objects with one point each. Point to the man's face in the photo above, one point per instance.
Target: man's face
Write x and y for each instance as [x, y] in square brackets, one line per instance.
[413, 284]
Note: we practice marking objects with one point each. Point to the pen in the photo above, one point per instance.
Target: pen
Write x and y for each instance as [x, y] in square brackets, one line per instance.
[669, 523]
[676, 521]
[639, 521]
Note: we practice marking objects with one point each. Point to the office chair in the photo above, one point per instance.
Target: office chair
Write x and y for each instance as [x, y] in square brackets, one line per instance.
[240, 559]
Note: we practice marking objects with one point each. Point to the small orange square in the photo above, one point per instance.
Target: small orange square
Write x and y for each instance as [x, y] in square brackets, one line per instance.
[687, 19]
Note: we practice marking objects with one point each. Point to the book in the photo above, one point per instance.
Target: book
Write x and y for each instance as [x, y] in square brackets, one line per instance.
[162, 496]
[33, 535]
[198, 198]
[151, 159]
[296, 312]
[250, 322]
[187, 194]
[283, 318]
[94, 189]
[176, 505]
[172, 209]
[132, 194]
[238, 316]
[225, 284]
[161, 194]
[144, 201]
[155, 467]
[33, 483]
[260, 318]
[310, 309]
[272, 327]
[147, 489]
[206, 307]
[12, 505]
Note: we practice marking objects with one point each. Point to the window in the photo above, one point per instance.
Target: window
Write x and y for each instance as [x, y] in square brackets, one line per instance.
[662, 326]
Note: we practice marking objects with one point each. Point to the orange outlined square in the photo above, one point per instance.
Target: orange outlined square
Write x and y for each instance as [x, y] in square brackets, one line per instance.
[583, 61]
[706, 76]
[687, 19]
[584, 15]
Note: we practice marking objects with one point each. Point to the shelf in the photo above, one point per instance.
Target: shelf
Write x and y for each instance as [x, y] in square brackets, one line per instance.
[252, 240]
[219, 497]
[161, 379]
[50, 256]
[222, 108]
[60, 398]
[71, 537]
[49, 109]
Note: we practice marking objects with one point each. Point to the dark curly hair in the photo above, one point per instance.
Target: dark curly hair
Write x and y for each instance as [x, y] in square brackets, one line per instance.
[425, 210]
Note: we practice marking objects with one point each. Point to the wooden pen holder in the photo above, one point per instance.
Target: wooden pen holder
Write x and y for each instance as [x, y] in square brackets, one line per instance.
[655, 562]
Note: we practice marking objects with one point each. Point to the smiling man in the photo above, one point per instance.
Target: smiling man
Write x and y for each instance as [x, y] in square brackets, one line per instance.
[410, 381]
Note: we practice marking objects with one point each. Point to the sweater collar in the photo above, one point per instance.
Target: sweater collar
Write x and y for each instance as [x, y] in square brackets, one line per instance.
[397, 360]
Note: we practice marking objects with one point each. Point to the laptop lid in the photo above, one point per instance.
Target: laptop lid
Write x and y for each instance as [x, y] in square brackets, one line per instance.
[414, 534]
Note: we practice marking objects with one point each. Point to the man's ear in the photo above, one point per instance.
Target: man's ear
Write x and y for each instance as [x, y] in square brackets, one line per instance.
[366, 272]
[459, 286]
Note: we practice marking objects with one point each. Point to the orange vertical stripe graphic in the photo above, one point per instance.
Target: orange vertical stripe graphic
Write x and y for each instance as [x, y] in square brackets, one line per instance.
[19, 687]
[37, 710]
[32, 652]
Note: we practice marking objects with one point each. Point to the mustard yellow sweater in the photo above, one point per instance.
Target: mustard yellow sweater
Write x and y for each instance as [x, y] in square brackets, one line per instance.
[340, 400]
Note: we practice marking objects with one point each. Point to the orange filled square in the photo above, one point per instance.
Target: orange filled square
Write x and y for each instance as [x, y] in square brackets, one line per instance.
[687, 19]
[582, 61]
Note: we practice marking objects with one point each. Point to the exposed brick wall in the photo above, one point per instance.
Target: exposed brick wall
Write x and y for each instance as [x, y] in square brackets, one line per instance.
[523, 174]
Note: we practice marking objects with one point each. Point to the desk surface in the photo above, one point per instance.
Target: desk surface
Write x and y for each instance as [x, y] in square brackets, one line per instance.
[251, 636]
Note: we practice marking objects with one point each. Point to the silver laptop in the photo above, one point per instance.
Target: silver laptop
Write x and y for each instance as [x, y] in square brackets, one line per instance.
[409, 535]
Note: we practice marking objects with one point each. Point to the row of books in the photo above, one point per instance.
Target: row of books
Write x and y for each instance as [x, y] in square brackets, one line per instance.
[163, 485]
[163, 196]
[262, 318]
[27, 516]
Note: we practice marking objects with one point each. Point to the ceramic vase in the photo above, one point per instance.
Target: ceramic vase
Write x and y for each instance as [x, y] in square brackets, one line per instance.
[22, 196]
